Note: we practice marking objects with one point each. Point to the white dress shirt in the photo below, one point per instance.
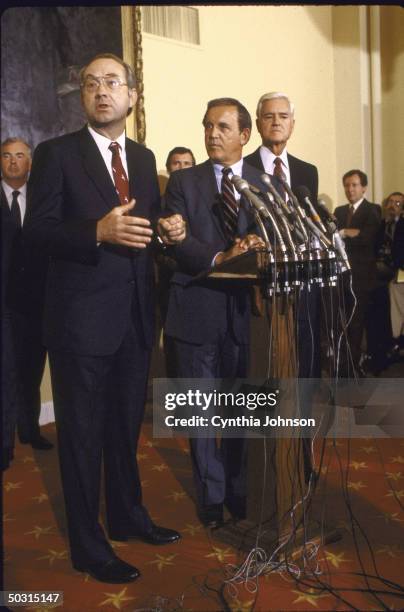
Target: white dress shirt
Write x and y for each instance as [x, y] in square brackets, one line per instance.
[236, 168]
[268, 158]
[103, 143]
[22, 198]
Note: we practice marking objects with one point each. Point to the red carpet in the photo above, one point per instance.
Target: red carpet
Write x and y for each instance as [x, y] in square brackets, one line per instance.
[190, 575]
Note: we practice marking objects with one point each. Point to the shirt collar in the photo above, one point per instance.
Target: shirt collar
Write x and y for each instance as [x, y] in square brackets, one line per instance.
[9, 190]
[357, 204]
[103, 142]
[266, 154]
[236, 168]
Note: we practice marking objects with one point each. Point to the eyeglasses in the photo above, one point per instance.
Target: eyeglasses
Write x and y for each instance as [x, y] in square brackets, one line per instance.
[92, 83]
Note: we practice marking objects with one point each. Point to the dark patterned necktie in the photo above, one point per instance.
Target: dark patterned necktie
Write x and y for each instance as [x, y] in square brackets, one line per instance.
[350, 215]
[118, 171]
[15, 210]
[279, 173]
[230, 208]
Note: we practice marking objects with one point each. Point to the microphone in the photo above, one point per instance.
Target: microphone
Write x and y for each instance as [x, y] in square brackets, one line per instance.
[243, 187]
[289, 212]
[304, 195]
[338, 242]
[328, 215]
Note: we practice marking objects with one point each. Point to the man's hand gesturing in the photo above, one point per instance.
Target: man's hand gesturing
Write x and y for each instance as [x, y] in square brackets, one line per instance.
[171, 229]
[117, 227]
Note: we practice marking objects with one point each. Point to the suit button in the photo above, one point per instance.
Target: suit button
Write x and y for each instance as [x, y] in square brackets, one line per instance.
[131, 282]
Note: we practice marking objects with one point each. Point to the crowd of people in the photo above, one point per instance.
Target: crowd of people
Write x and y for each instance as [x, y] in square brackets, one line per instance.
[78, 283]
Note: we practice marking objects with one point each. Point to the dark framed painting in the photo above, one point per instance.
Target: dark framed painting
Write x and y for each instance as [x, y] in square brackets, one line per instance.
[42, 52]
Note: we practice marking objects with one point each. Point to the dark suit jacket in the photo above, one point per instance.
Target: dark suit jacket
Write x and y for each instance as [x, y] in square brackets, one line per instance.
[397, 250]
[301, 172]
[92, 291]
[361, 249]
[198, 312]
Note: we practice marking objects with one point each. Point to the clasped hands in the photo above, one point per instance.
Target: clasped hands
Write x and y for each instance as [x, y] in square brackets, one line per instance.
[118, 227]
[241, 245]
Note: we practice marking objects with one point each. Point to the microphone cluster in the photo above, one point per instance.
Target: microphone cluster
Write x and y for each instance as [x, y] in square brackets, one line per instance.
[304, 248]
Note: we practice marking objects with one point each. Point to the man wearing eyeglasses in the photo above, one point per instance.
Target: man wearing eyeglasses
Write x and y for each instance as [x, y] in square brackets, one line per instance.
[94, 210]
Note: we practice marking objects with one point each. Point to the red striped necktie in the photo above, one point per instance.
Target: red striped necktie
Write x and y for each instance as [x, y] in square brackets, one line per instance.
[119, 174]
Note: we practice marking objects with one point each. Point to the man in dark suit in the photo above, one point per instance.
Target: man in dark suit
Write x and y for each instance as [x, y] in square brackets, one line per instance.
[94, 200]
[275, 122]
[209, 321]
[25, 286]
[358, 224]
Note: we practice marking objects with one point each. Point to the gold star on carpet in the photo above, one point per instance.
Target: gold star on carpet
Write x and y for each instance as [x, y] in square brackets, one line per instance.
[38, 469]
[141, 456]
[368, 449]
[9, 486]
[38, 531]
[144, 483]
[309, 596]
[396, 494]
[160, 468]
[162, 561]
[398, 459]
[27, 458]
[176, 495]
[356, 485]
[150, 444]
[391, 551]
[220, 553]
[358, 465]
[239, 606]
[324, 470]
[389, 517]
[41, 498]
[116, 599]
[334, 443]
[394, 475]
[335, 559]
[192, 529]
[54, 555]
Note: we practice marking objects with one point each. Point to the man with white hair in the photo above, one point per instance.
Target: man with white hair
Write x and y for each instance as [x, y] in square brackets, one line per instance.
[275, 122]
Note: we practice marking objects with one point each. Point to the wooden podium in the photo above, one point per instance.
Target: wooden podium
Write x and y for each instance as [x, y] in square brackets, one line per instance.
[277, 495]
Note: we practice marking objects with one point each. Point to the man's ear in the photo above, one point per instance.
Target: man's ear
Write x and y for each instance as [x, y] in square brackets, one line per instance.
[132, 97]
[245, 136]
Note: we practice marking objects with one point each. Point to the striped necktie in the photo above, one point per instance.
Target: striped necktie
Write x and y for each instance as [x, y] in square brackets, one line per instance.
[118, 171]
[279, 173]
[350, 215]
[230, 208]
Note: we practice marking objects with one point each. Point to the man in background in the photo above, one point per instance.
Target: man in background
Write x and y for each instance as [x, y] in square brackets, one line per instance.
[179, 158]
[379, 321]
[26, 286]
[358, 224]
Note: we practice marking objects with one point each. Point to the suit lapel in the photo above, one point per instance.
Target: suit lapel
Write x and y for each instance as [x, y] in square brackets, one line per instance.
[95, 167]
[207, 187]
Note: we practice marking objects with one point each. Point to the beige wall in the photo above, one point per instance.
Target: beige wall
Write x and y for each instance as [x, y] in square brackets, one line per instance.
[245, 51]
[392, 58]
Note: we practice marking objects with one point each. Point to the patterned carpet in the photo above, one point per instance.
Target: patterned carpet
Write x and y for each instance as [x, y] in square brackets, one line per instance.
[190, 575]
